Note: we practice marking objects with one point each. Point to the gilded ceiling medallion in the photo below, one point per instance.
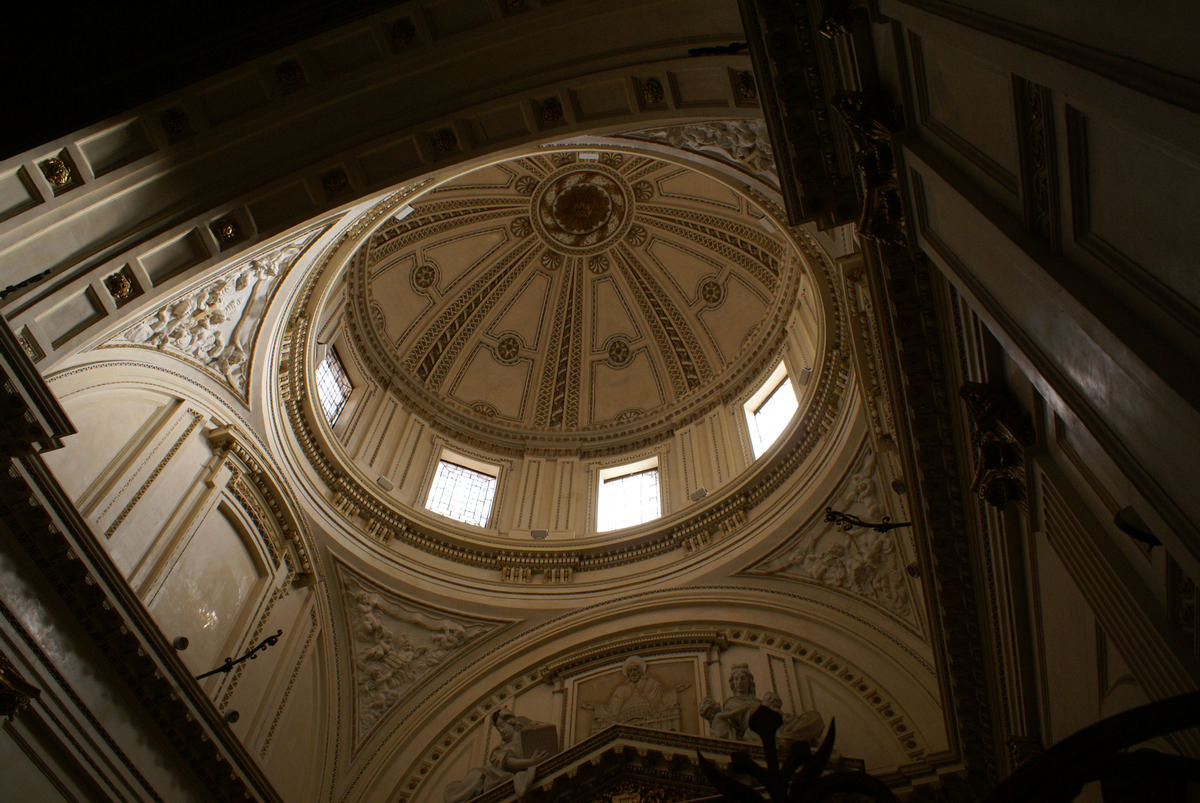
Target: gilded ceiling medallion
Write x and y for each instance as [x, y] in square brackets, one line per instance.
[583, 208]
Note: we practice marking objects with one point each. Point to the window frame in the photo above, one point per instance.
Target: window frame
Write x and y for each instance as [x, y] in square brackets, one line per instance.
[611, 473]
[328, 355]
[471, 464]
[765, 392]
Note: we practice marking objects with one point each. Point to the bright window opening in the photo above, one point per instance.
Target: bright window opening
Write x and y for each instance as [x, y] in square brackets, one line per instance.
[462, 493]
[628, 496]
[769, 411]
[333, 386]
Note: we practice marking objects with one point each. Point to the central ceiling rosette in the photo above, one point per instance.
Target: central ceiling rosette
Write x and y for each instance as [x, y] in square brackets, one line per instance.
[573, 300]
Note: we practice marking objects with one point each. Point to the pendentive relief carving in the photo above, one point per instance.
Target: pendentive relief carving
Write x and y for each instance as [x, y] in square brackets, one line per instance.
[741, 143]
[859, 561]
[216, 325]
[397, 643]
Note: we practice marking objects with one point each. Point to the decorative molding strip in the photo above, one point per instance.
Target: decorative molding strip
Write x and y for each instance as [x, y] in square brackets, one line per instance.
[1039, 160]
[162, 464]
[904, 286]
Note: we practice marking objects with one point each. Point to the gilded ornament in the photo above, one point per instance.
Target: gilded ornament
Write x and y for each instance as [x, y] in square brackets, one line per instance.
[551, 111]
[445, 141]
[713, 292]
[619, 352]
[15, 692]
[484, 409]
[522, 227]
[508, 349]
[598, 264]
[175, 124]
[582, 208]
[424, 276]
[643, 191]
[226, 229]
[551, 260]
[637, 235]
[335, 181]
[745, 87]
[526, 185]
[404, 33]
[652, 92]
[56, 171]
[290, 74]
[119, 286]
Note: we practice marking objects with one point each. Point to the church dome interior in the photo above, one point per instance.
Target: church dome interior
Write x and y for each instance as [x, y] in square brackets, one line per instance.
[459, 401]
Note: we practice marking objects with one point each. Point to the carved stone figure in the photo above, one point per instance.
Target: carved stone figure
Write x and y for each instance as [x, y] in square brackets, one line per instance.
[512, 759]
[806, 727]
[640, 699]
[731, 719]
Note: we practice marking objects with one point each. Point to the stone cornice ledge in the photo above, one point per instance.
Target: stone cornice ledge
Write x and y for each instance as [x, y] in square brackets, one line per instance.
[44, 520]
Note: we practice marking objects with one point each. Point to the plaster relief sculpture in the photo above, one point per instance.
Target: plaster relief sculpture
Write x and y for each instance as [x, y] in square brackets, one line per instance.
[861, 562]
[216, 326]
[741, 143]
[395, 645]
[731, 719]
[525, 743]
[639, 699]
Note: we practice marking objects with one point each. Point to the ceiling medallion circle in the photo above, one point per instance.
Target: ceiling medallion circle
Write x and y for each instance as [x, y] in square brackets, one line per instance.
[583, 208]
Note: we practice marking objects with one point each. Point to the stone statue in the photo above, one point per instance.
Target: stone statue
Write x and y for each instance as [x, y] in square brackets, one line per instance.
[731, 720]
[639, 699]
[511, 759]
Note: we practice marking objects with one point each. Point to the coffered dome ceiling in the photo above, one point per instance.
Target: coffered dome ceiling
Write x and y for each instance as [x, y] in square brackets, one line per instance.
[572, 299]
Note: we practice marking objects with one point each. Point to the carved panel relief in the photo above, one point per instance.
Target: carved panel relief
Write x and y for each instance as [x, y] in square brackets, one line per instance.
[215, 326]
[661, 695]
[857, 561]
[397, 643]
[741, 143]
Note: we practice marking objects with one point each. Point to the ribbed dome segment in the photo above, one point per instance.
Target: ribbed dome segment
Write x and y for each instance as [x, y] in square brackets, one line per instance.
[572, 299]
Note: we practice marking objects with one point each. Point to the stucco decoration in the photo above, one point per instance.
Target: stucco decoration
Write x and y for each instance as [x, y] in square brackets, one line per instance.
[397, 642]
[650, 697]
[741, 143]
[857, 561]
[215, 326]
